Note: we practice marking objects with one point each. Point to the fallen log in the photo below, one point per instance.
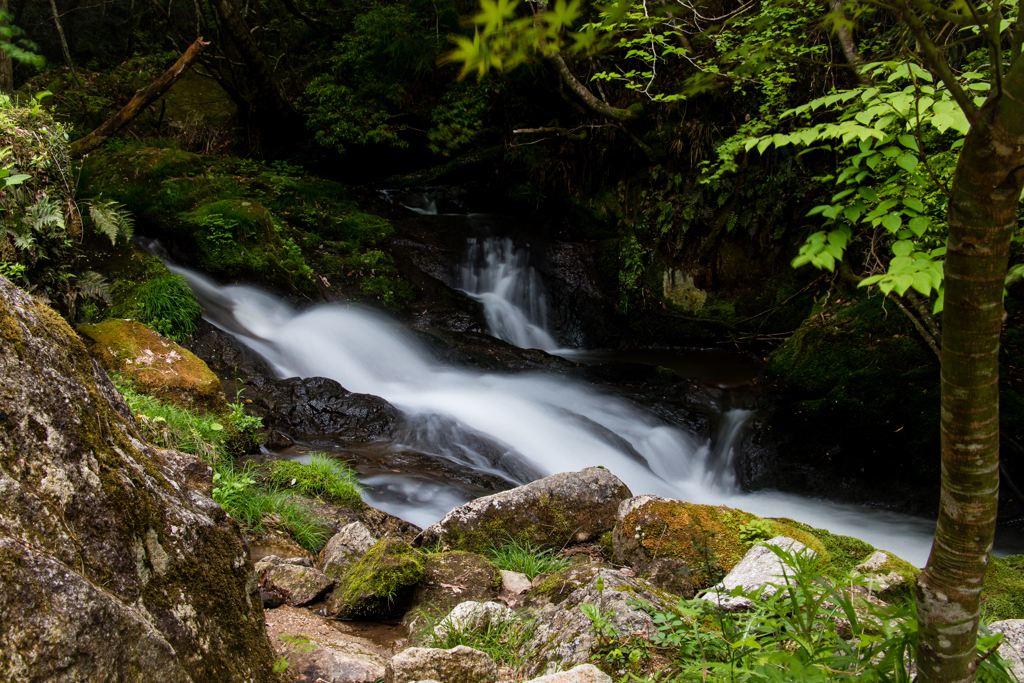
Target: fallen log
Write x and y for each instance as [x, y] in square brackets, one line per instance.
[139, 102]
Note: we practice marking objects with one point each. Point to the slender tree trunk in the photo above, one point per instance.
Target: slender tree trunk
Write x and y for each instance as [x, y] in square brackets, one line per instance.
[6, 63]
[138, 104]
[982, 214]
[63, 42]
[849, 47]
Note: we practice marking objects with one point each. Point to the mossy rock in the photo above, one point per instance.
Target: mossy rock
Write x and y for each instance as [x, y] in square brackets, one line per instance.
[706, 537]
[380, 584]
[451, 578]
[555, 587]
[1002, 596]
[155, 365]
[893, 578]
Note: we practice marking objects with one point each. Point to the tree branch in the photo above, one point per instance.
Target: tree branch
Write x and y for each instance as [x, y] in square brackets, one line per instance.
[584, 94]
[937, 62]
[142, 99]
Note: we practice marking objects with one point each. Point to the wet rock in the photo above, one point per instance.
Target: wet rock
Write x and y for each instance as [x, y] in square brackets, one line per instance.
[584, 673]
[299, 585]
[108, 589]
[1012, 647]
[345, 549]
[225, 355]
[380, 584]
[565, 635]
[458, 665]
[759, 568]
[317, 405]
[155, 365]
[265, 545]
[705, 537]
[474, 616]
[452, 578]
[315, 650]
[483, 352]
[569, 507]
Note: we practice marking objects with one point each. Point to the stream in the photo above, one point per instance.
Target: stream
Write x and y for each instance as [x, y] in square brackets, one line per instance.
[519, 427]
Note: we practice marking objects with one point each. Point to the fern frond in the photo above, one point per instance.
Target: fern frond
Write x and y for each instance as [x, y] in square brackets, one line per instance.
[45, 213]
[25, 242]
[112, 219]
[94, 286]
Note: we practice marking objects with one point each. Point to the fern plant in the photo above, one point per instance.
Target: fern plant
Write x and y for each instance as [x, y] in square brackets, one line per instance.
[112, 219]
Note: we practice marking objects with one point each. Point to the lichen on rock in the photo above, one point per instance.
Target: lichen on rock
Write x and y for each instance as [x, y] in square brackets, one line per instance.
[116, 564]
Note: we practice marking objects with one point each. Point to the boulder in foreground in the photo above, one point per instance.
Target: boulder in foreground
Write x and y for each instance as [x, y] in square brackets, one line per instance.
[116, 563]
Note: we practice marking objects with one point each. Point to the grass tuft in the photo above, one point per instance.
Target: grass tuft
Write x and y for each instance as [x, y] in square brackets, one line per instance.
[322, 477]
[526, 558]
[504, 642]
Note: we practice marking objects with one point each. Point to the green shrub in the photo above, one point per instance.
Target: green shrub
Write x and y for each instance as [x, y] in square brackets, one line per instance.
[526, 558]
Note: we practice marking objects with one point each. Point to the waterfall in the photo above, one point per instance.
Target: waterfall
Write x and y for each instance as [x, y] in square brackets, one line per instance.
[499, 276]
[519, 427]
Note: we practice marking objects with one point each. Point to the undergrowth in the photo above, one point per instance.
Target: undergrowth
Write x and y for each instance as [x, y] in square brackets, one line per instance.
[526, 558]
[257, 506]
[810, 629]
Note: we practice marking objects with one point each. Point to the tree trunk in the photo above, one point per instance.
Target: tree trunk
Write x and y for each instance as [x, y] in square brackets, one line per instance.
[260, 69]
[63, 42]
[982, 214]
[6, 63]
[138, 104]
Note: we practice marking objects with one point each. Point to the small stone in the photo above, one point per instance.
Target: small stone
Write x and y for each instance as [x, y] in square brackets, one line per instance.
[474, 616]
[1012, 647]
[458, 665]
[760, 567]
[515, 583]
[299, 585]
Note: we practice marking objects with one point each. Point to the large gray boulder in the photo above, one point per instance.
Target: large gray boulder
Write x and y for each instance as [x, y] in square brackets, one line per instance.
[565, 635]
[569, 507]
[315, 650]
[1012, 647]
[449, 579]
[458, 665]
[116, 563]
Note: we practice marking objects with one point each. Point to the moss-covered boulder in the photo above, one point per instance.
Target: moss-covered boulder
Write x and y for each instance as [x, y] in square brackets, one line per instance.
[569, 507]
[155, 365]
[711, 539]
[450, 579]
[380, 584]
[115, 562]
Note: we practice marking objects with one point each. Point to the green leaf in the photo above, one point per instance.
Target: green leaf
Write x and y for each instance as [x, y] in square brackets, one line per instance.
[873, 160]
[903, 248]
[908, 162]
[891, 151]
[818, 209]
[763, 145]
[909, 141]
[939, 302]
[867, 193]
[919, 224]
[903, 282]
[826, 260]
[913, 203]
[892, 222]
[838, 238]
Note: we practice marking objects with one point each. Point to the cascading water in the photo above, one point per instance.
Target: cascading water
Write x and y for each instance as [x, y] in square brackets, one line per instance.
[518, 427]
[499, 276]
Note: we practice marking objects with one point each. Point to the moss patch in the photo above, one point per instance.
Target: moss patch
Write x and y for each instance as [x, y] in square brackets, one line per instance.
[1002, 596]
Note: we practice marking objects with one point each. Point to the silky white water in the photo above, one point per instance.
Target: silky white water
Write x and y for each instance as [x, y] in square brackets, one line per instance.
[531, 424]
[498, 275]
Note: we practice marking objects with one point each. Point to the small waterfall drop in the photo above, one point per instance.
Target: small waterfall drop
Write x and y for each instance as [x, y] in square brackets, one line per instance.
[499, 276]
[518, 427]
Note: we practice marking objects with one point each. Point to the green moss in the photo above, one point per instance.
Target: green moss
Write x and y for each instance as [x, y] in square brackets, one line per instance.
[1002, 596]
[547, 524]
[558, 586]
[377, 583]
